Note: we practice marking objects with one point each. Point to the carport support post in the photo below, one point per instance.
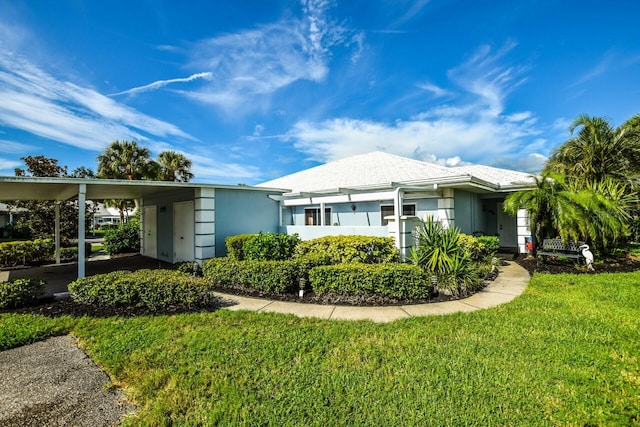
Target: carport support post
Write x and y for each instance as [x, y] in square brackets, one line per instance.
[57, 232]
[82, 198]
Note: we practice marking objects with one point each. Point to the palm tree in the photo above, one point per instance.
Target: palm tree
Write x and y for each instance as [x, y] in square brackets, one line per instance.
[599, 151]
[125, 160]
[174, 166]
[595, 212]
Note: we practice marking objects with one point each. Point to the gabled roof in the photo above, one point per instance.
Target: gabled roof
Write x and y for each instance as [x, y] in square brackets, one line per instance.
[380, 170]
[376, 169]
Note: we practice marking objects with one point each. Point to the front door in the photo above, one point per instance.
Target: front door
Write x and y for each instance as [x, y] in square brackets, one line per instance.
[183, 232]
[507, 228]
[150, 242]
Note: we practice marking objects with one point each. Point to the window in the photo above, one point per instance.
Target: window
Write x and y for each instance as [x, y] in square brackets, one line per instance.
[312, 216]
[387, 210]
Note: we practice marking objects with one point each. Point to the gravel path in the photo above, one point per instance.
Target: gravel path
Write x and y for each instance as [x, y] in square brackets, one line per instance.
[54, 383]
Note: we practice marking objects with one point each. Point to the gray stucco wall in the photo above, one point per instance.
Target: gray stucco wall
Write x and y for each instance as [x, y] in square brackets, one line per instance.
[243, 211]
[165, 219]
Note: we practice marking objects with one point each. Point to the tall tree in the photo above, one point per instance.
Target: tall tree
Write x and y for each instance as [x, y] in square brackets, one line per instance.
[174, 167]
[599, 151]
[126, 160]
[83, 172]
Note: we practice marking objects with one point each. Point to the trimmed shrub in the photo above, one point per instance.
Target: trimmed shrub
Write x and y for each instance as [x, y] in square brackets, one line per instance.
[266, 276]
[190, 267]
[491, 243]
[349, 249]
[401, 281]
[234, 245]
[25, 252]
[270, 247]
[20, 292]
[123, 239]
[152, 289]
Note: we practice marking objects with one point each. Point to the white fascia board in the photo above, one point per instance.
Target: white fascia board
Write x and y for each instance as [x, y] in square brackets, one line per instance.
[341, 198]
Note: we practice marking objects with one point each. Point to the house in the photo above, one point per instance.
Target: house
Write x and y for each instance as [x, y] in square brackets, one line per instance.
[382, 194]
[7, 217]
[107, 215]
[179, 221]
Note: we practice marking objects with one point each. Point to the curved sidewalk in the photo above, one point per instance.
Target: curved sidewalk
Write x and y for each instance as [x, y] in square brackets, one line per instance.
[510, 283]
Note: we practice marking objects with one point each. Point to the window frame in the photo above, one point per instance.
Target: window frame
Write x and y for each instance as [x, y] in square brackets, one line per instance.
[384, 221]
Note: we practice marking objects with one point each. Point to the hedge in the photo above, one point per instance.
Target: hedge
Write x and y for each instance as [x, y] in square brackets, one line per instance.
[400, 281]
[123, 239]
[152, 289]
[25, 252]
[348, 249]
[20, 292]
[270, 247]
[265, 276]
[234, 245]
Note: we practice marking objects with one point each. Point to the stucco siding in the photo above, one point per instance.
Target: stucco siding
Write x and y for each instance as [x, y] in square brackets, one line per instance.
[243, 211]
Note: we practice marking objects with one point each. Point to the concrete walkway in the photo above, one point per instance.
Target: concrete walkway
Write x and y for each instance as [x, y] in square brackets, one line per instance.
[510, 283]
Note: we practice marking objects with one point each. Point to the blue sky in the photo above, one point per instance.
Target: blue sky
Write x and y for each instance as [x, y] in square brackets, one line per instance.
[253, 90]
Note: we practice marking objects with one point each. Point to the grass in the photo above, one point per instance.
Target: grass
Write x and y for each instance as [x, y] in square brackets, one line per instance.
[566, 352]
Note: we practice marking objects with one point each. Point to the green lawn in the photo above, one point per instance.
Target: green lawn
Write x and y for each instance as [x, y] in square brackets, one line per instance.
[566, 352]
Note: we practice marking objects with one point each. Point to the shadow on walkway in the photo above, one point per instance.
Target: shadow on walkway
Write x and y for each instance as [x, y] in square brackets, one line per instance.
[58, 276]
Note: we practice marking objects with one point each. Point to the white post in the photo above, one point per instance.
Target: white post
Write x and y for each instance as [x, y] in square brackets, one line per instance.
[82, 198]
[322, 222]
[57, 231]
[141, 226]
[397, 212]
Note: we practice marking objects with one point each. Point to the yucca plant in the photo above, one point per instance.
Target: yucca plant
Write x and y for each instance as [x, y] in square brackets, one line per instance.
[439, 252]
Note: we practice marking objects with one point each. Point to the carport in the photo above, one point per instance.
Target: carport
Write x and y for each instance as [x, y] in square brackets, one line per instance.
[208, 223]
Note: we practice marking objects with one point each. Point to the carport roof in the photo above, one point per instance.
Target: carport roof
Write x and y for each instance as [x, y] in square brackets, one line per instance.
[61, 189]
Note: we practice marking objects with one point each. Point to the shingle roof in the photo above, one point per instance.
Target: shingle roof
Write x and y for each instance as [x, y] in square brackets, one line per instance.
[364, 170]
[380, 169]
[498, 176]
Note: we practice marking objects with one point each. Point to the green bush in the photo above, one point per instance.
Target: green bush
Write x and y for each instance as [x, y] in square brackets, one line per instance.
[266, 276]
[234, 245]
[400, 281]
[122, 239]
[348, 249]
[190, 267]
[25, 252]
[491, 243]
[270, 247]
[20, 292]
[152, 289]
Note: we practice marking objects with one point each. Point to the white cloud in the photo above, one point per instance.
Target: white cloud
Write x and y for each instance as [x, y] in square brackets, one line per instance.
[475, 129]
[258, 130]
[162, 83]
[532, 163]
[14, 147]
[36, 102]
[8, 165]
[435, 90]
[250, 65]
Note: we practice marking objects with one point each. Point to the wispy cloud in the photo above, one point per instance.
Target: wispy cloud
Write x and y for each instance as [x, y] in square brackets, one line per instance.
[250, 65]
[601, 67]
[37, 102]
[14, 147]
[162, 83]
[415, 8]
[435, 90]
[8, 165]
[474, 129]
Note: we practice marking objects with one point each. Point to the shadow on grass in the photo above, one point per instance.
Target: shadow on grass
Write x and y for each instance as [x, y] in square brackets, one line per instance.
[49, 307]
